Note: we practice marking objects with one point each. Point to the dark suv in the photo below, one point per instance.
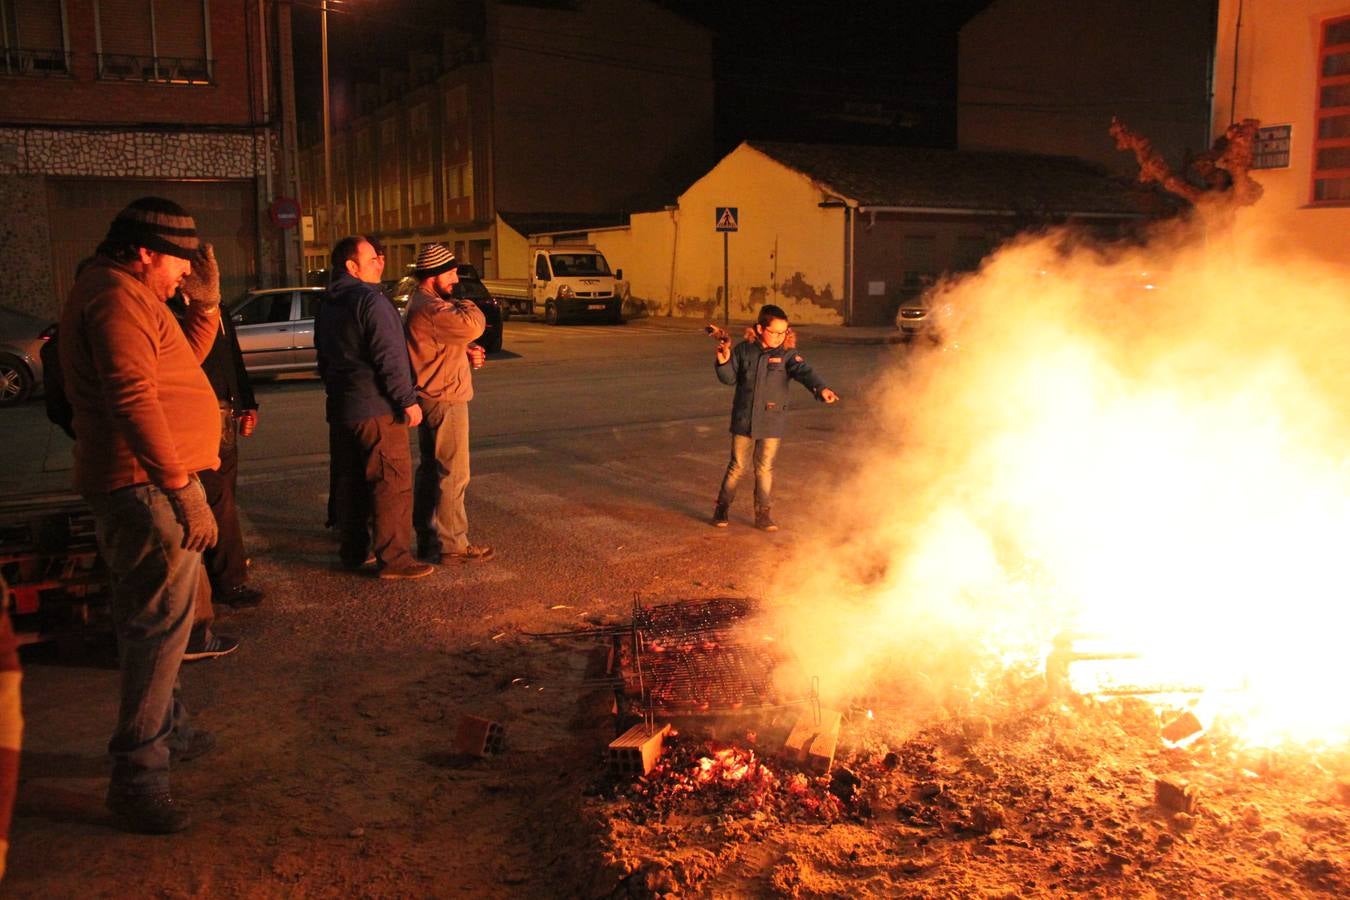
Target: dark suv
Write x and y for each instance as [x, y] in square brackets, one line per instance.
[470, 287]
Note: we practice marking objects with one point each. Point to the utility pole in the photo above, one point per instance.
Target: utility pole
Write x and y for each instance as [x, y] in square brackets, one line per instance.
[290, 157]
[327, 146]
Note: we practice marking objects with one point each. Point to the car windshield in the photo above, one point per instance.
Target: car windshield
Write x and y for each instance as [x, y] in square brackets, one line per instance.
[470, 289]
[565, 264]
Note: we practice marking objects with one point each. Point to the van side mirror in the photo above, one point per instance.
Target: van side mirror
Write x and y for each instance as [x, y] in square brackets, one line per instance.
[618, 274]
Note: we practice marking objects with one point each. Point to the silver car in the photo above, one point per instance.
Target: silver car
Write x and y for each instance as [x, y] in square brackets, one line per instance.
[21, 340]
[276, 329]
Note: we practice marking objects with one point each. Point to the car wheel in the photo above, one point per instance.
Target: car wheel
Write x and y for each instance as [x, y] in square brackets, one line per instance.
[616, 317]
[494, 345]
[550, 314]
[16, 382]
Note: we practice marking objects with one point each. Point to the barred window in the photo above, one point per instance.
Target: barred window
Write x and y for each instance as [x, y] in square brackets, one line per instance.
[154, 40]
[34, 36]
[1331, 141]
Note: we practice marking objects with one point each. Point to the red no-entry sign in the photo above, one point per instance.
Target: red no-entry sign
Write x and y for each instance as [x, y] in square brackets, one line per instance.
[285, 212]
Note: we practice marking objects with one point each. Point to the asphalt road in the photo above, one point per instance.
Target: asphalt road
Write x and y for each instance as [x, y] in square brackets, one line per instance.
[597, 453]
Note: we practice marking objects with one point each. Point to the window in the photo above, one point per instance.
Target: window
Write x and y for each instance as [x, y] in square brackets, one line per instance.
[919, 259]
[970, 252]
[265, 309]
[34, 33]
[1331, 145]
[153, 40]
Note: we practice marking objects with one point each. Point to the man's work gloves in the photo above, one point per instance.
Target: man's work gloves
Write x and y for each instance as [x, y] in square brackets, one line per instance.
[202, 284]
[193, 513]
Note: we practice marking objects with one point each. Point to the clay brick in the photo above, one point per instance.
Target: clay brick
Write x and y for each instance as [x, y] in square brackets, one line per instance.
[636, 751]
[1175, 794]
[812, 745]
[1182, 727]
[479, 737]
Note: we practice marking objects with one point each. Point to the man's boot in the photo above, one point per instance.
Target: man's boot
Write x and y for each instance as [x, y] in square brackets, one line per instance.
[764, 521]
[719, 516]
[146, 813]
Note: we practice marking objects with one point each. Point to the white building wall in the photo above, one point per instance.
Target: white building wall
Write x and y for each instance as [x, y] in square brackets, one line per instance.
[1276, 82]
[788, 251]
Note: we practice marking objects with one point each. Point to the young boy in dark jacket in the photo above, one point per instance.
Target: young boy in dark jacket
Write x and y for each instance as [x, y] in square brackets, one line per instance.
[761, 367]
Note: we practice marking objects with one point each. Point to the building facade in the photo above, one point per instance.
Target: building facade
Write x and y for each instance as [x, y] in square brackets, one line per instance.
[103, 101]
[1287, 64]
[595, 106]
[844, 235]
[1046, 76]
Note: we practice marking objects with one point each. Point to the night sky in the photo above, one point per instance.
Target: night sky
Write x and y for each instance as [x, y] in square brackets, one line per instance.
[851, 72]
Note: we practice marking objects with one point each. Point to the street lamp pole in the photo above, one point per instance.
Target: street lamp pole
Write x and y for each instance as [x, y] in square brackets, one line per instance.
[327, 146]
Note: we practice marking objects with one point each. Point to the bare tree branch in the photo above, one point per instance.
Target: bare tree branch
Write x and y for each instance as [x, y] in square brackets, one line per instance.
[1223, 170]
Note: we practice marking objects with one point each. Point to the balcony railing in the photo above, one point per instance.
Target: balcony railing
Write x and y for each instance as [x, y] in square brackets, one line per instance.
[161, 69]
[18, 61]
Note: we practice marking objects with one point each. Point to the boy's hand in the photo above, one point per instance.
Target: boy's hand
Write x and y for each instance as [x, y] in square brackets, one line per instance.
[828, 396]
[723, 354]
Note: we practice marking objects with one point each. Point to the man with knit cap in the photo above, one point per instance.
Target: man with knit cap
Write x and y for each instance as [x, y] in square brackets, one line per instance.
[440, 332]
[146, 422]
[371, 404]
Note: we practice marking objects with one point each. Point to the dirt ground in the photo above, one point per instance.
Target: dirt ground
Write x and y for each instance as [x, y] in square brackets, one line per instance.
[336, 776]
[348, 786]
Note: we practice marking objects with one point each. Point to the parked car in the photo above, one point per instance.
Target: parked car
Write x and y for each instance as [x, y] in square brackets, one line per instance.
[21, 340]
[276, 329]
[470, 287]
[912, 317]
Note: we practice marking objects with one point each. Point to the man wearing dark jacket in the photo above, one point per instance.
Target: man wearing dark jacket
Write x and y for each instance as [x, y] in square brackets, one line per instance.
[226, 562]
[363, 361]
[761, 367]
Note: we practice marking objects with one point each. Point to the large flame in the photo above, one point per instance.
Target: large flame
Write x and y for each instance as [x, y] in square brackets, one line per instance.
[1152, 446]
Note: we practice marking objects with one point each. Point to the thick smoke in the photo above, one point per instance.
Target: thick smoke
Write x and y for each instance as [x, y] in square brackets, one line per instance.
[1148, 443]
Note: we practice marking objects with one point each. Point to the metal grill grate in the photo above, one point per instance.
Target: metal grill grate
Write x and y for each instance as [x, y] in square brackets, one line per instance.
[700, 656]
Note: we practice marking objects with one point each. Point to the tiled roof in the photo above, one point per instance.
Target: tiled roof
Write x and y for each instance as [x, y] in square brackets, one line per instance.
[528, 223]
[958, 179]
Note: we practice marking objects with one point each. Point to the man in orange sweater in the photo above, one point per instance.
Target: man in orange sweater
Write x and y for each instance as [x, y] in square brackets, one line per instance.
[146, 421]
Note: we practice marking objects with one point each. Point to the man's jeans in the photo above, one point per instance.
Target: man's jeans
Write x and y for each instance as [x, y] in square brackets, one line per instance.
[442, 478]
[765, 449]
[155, 586]
[372, 490]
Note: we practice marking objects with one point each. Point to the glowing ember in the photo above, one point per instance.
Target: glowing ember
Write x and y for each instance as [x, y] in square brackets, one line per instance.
[1168, 468]
[731, 766]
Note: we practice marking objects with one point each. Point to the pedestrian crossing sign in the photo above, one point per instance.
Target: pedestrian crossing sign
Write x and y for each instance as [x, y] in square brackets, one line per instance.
[728, 218]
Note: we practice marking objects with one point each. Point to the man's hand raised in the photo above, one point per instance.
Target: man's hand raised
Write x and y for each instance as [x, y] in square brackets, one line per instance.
[202, 284]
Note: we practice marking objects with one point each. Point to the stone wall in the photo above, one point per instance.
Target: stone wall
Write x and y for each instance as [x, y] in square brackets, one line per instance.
[28, 155]
[25, 245]
[131, 154]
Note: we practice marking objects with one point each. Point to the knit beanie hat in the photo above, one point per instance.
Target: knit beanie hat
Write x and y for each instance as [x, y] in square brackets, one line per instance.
[432, 260]
[156, 224]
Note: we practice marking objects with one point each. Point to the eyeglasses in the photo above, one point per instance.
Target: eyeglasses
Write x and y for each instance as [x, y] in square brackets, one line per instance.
[772, 333]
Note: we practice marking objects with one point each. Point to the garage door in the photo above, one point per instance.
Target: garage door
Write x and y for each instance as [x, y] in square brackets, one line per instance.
[80, 210]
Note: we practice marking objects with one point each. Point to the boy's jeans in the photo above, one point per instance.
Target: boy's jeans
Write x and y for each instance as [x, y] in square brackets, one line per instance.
[155, 586]
[765, 449]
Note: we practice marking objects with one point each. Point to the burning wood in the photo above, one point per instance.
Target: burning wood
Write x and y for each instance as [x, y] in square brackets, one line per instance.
[705, 777]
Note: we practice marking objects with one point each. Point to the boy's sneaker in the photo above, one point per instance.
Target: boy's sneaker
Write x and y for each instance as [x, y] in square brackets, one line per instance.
[719, 516]
[206, 644]
[412, 570]
[146, 813]
[764, 521]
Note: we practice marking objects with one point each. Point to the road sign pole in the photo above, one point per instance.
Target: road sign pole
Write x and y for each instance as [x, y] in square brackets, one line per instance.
[726, 297]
